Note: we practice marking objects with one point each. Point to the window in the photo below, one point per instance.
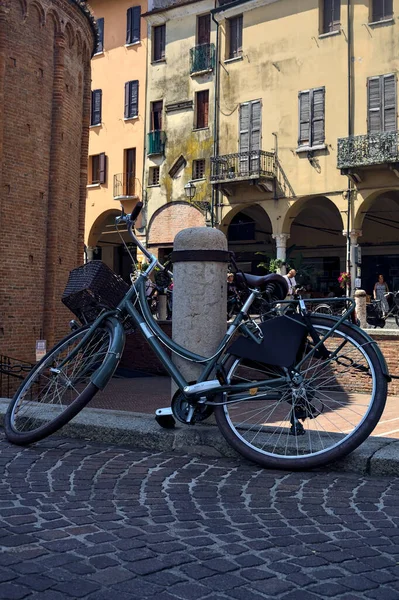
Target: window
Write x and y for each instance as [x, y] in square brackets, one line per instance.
[330, 16]
[156, 116]
[234, 37]
[100, 43]
[133, 25]
[203, 29]
[177, 167]
[201, 109]
[311, 117]
[153, 176]
[158, 41]
[130, 171]
[199, 168]
[381, 103]
[96, 101]
[381, 10]
[97, 164]
[131, 99]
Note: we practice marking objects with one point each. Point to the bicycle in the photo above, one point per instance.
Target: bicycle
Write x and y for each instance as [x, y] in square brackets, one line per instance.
[295, 392]
[375, 314]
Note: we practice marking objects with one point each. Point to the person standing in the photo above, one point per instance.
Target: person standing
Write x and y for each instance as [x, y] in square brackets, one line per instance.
[290, 279]
[380, 289]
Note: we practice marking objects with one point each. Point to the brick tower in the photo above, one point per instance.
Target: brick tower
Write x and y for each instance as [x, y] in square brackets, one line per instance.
[45, 52]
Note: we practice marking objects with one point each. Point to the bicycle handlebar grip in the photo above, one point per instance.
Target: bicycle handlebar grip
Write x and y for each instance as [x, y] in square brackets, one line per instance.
[136, 211]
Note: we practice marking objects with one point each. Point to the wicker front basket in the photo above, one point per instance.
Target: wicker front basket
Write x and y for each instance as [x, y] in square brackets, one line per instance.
[92, 288]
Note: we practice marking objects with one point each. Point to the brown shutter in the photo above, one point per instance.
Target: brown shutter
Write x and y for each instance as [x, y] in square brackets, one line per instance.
[318, 118]
[202, 109]
[304, 119]
[103, 167]
[389, 102]
[374, 124]
[204, 29]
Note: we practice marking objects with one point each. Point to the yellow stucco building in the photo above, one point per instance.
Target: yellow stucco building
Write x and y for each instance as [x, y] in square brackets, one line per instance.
[283, 114]
[116, 145]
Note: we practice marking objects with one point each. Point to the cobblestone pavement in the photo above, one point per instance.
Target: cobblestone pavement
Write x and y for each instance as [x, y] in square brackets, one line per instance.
[84, 520]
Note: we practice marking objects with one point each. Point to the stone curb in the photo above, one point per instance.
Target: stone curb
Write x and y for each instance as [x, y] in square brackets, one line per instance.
[376, 456]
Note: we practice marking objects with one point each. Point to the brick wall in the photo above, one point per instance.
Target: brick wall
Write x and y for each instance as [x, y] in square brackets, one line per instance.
[166, 222]
[139, 356]
[44, 116]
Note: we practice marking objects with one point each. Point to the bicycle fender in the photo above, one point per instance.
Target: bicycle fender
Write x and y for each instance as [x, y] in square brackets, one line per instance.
[101, 377]
[368, 340]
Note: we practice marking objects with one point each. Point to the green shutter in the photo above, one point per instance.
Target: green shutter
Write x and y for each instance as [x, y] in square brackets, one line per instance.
[135, 24]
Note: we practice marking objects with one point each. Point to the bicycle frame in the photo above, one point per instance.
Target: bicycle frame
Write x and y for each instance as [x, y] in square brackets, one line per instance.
[156, 337]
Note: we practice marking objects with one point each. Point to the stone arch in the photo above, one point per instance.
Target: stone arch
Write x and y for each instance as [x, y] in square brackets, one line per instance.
[97, 226]
[51, 14]
[365, 203]
[171, 218]
[306, 203]
[377, 225]
[249, 231]
[70, 35]
[79, 43]
[316, 245]
[40, 11]
[24, 8]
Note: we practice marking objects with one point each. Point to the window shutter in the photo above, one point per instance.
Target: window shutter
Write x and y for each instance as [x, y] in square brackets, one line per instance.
[134, 99]
[100, 25]
[129, 26]
[382, 9]
[304, 119]
[318, 117]
[255, 125]
[126, 113]
[389, 102]
[204, 29]
[96, 101]
[103, 167]
[244, 126]
[374, 104]
[136, 18]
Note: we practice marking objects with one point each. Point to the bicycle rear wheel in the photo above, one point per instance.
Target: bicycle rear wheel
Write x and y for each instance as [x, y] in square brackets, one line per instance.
[50, 396]
[330, 411]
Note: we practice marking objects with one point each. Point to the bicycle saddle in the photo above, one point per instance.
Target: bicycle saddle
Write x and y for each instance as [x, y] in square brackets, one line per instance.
[274, 283]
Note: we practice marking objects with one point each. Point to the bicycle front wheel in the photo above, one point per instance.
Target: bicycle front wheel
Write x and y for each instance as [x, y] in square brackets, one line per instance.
[331, 409]
[52, 395]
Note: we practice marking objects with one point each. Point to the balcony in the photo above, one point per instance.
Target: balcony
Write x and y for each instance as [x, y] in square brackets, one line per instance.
[243, 166]
[362, 151]
[156, 142]
[202, 58]
[126, 186]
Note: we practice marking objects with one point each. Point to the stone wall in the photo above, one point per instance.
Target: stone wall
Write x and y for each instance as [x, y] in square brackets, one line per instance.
[45, 79]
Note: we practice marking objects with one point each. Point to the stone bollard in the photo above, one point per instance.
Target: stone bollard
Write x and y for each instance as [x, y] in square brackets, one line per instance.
[199, 318]
[360, 299]
[162, 307]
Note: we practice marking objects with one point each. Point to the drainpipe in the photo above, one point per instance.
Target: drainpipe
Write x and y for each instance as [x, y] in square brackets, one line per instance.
[350, 133]
[215, 202]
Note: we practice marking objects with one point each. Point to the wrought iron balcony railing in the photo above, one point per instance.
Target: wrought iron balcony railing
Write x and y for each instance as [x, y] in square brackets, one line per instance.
[368, 150]
[125, 185]
[156, 142]
[243, 166]
[202, 58]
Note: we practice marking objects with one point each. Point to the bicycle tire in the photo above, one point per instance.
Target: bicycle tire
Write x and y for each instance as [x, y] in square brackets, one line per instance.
[397, 319]
[274, 445]
[53, 404]
[322, 309]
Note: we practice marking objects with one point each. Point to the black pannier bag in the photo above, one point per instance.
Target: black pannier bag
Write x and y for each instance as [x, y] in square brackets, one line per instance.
[92, 288]
[283, 337]
[373, 316]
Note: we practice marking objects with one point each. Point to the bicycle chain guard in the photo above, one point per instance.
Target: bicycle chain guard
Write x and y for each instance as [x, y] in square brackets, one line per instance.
[181, 409]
